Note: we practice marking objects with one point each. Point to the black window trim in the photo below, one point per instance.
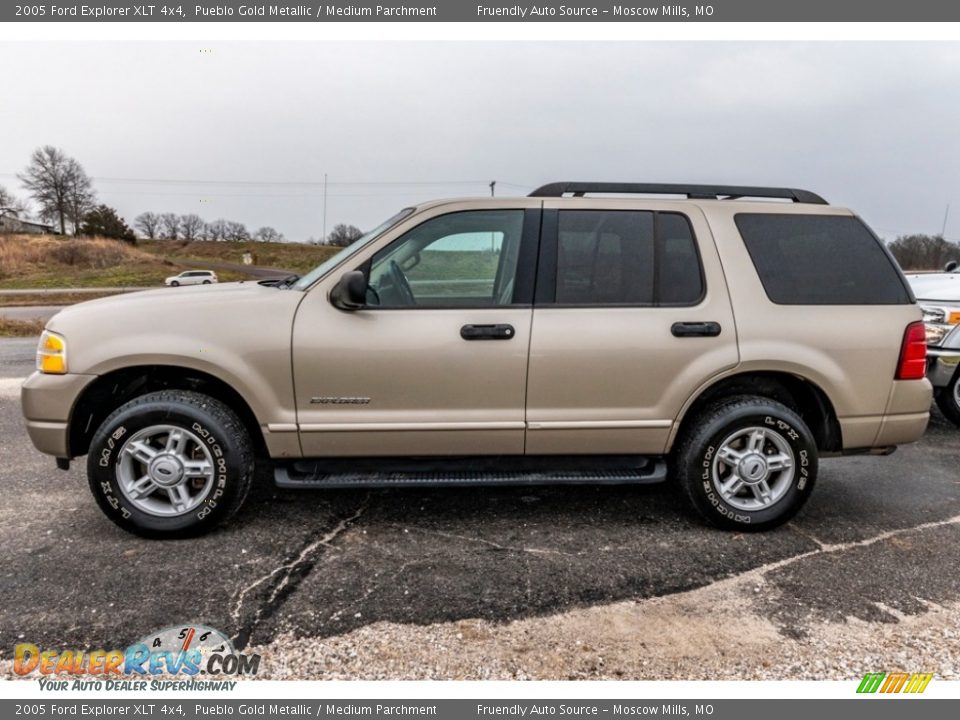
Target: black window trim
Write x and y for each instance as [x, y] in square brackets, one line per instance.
[905, 284]
[524, 282]
[546, 288]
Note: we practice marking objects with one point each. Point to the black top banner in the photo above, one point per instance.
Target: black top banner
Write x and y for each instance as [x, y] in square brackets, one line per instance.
[482, 11]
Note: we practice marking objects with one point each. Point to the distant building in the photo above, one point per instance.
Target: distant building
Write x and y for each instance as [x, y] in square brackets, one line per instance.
[10, 223]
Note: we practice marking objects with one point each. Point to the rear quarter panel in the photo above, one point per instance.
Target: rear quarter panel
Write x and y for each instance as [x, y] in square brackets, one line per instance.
[850, 351]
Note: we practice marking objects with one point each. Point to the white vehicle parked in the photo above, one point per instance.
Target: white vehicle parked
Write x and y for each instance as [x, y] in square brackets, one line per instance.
[192, 277]
[939, 298]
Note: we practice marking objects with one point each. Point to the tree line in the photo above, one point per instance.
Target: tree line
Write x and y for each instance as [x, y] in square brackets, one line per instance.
[62, 192]
[171, 226]
[924, 252]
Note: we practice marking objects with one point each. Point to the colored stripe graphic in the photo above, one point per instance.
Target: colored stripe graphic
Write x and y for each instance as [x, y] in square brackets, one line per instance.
[894, 682]
[870, 683]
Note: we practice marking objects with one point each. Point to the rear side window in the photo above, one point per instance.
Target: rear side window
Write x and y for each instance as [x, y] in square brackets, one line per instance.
[626, 257]
[820, 260]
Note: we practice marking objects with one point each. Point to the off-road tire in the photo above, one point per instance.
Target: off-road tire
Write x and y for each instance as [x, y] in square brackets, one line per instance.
[693, 463]
[229, 444]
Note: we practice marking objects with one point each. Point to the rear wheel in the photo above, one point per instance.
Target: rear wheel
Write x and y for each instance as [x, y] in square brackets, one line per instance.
[170, 464]
[948, 399]
[748, 463]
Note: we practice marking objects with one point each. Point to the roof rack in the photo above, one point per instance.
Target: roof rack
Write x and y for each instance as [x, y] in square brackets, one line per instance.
[698, 192]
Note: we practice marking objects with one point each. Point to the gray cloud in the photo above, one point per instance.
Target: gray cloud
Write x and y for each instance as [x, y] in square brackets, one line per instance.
[871, 125]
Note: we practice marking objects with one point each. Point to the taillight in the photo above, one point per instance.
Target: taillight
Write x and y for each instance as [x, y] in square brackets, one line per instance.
[913, 353]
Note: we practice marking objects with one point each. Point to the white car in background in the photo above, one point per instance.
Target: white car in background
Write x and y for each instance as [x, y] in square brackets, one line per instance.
[192, 277]
[939, 298]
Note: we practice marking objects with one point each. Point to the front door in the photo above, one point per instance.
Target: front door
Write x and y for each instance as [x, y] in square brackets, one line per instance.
[436, 363]
[632, 316]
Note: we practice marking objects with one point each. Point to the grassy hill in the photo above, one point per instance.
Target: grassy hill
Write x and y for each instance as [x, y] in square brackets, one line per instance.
[295, 257]
[44, 261]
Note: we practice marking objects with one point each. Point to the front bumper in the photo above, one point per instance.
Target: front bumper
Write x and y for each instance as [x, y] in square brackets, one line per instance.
[942, 365]
[47, 402]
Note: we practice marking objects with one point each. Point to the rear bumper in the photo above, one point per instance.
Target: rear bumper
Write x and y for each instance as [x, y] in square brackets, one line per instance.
[942, 365]
[47, 402]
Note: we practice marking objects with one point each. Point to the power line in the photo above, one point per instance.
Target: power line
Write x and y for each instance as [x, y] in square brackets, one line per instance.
[284, 183]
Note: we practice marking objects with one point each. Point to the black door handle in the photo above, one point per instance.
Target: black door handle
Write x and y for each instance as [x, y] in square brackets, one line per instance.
[487, 332]
[695, 329]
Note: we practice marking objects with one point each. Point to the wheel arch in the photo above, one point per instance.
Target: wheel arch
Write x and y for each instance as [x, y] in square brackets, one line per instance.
[111, 390]
[803, 396]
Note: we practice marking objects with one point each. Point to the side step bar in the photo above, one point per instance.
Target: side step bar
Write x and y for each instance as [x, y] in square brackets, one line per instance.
[315, 475]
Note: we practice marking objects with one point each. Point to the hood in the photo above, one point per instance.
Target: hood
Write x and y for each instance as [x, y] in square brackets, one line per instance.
[209, 325]
[936, 286]
[163, 300]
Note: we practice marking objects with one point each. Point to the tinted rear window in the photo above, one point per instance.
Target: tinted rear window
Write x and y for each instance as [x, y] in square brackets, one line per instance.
[626, 257]
[820, 260]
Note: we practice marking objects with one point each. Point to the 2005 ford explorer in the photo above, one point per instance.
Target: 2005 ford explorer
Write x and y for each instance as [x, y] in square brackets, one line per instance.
[724, 337]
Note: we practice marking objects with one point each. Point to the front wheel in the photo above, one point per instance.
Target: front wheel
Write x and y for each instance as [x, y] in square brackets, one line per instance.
[948, 399]
[747, 463]
[175, 283]
[170, 464]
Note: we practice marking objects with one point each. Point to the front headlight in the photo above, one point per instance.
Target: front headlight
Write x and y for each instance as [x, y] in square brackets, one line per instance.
[939, 321]
[52, 354]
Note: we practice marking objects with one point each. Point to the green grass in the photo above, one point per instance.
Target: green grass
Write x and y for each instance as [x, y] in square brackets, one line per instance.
[296, 257]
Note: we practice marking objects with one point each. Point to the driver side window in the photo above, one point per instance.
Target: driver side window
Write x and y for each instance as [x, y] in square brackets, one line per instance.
[464, 259]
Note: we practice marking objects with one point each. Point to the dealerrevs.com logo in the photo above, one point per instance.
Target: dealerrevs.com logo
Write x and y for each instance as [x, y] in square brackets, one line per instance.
[181, 652]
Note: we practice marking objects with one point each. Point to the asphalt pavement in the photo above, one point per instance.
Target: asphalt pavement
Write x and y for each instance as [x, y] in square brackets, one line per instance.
[30, 312]
[879, 540]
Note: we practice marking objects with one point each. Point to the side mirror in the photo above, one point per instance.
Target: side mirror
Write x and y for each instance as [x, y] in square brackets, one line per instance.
[350, 292]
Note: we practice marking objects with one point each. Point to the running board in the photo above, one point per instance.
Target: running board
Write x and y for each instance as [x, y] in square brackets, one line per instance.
[315, 475]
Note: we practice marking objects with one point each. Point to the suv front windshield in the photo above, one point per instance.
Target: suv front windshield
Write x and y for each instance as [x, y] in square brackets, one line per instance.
[331, 262]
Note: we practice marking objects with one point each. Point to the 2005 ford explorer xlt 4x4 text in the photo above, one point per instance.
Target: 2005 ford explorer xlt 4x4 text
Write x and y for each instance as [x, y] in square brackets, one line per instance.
[588, 333]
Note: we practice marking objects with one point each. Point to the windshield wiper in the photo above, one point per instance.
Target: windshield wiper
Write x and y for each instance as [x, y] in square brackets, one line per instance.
[281, 283]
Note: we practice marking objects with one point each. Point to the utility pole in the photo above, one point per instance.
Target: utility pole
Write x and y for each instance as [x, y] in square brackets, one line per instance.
[323, 238]
[943, 230]
[493, 240]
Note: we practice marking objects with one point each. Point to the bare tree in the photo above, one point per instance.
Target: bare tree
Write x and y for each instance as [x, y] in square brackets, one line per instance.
[81, 199]
[6, 199]
[59, 185]
[191, 226]
[343, 235]
[170, 223]
[236, 232]
[10, 203]
[268, 234]
[149, 224]
[217, 230]
[924, 252]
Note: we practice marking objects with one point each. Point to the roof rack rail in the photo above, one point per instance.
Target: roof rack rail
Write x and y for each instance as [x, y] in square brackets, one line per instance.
[698, 192]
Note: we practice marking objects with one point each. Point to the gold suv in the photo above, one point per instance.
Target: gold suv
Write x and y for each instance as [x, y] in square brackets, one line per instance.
[588, 333]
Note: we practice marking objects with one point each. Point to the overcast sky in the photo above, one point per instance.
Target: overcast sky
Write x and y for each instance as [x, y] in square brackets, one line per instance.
[875, 126]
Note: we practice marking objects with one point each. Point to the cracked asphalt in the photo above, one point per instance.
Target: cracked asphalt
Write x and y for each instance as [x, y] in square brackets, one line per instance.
[878, 543]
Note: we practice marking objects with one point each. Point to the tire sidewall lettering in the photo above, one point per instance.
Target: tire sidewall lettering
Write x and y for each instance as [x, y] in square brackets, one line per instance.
[704, 465]
[107, 458]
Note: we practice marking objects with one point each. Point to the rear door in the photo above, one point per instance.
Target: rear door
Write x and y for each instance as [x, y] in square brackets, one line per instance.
[632, 315]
